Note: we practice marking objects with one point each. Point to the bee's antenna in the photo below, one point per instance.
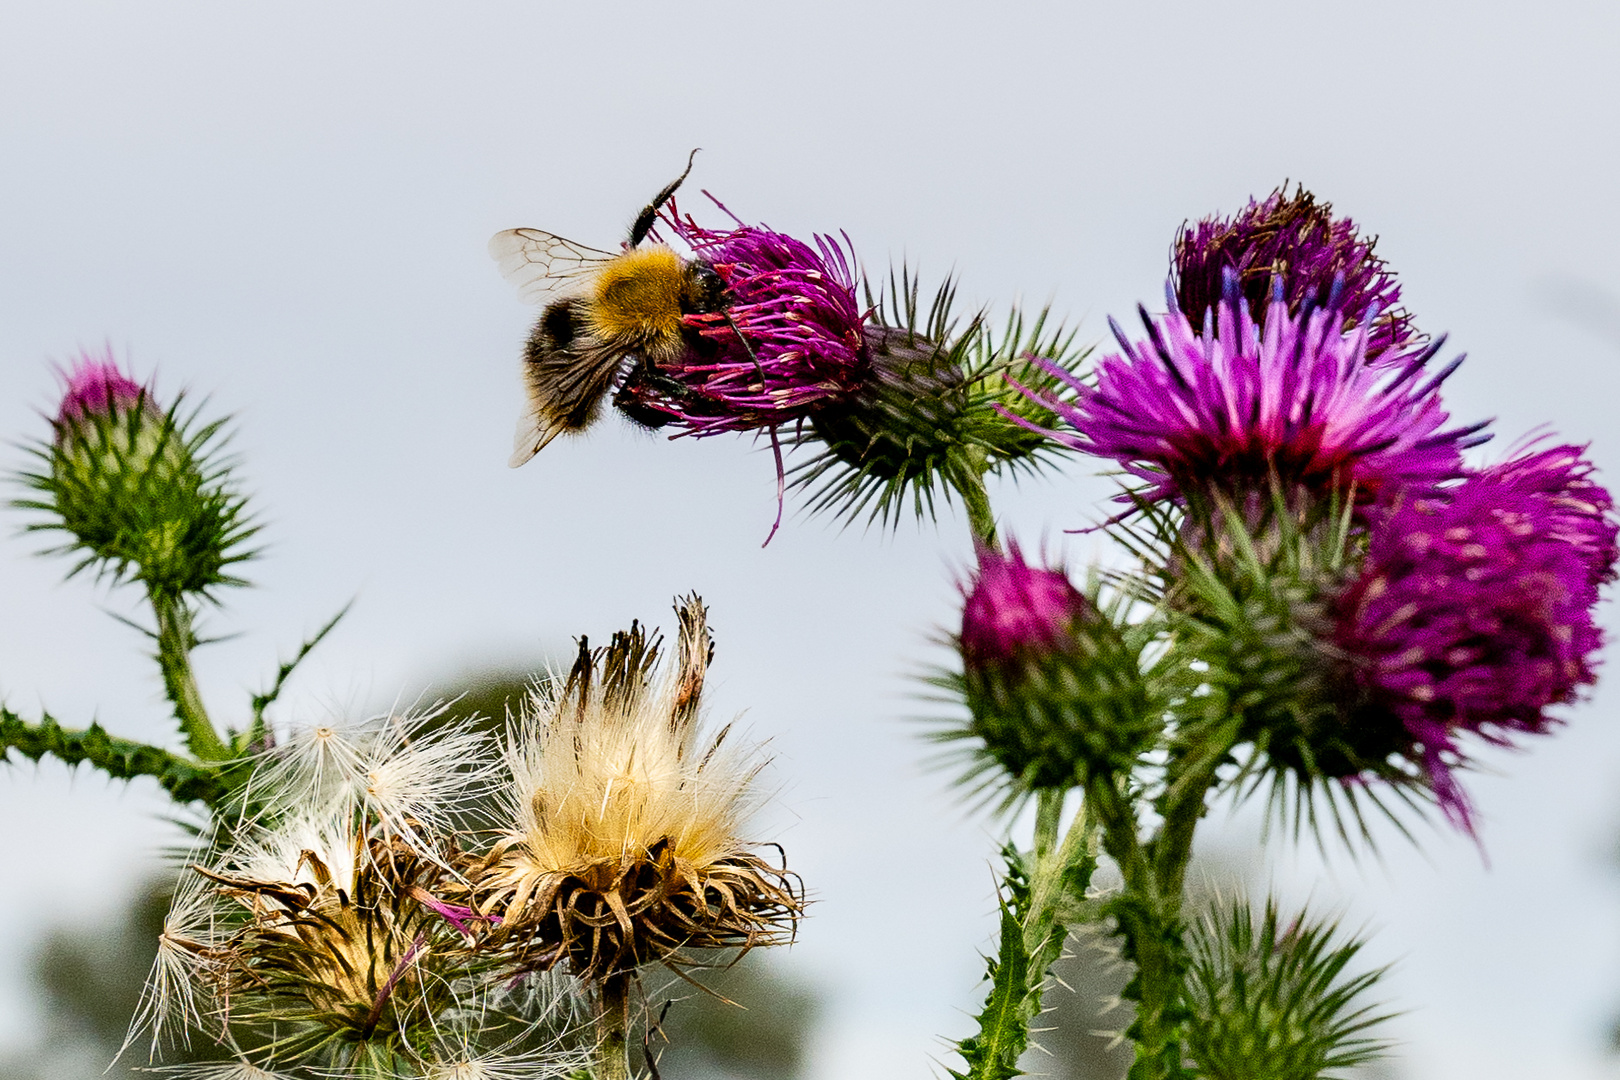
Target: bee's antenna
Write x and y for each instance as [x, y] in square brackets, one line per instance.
[649, 213]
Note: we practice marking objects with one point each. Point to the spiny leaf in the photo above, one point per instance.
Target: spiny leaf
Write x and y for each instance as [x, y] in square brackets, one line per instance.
[122, 759]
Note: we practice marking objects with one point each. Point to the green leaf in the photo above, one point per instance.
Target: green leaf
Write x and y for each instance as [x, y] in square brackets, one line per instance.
[121, 759]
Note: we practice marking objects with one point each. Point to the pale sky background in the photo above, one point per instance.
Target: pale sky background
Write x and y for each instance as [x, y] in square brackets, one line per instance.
[284, 207]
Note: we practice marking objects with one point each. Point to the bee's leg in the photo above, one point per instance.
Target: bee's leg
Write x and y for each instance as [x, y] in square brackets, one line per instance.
[649, 213]
[749, 349]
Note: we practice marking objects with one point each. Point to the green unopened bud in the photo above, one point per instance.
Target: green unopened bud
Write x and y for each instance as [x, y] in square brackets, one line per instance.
[134, 486]
[1055, 692]
[1274, 998]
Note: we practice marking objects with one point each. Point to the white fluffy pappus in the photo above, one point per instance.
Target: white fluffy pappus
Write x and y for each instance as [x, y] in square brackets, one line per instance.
[396, 768]
[601, 783]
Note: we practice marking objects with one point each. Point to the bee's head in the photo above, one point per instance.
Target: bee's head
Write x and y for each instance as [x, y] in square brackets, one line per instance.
[703, 291]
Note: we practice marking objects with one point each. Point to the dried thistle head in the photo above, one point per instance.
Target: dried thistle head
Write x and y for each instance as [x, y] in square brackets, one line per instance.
[623, 839]
[336, 941]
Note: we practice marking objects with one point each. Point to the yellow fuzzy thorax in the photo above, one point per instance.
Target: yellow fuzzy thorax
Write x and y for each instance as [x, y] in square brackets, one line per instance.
[637, 298]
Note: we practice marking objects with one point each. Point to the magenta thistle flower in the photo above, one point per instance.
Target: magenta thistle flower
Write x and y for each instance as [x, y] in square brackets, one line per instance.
[788, 341]
[1236, 407]
[1572, 507]
[1473, 611]
[96, 387]
[1296, 243]
[1054, 691]
[1014, 610]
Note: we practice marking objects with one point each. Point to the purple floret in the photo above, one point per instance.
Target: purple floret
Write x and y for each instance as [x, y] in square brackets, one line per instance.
[1296, 243]
[1473, 612]
[1573, 507]
[96, 387]
[1236, 406]
[801, 343]
[1016, 611]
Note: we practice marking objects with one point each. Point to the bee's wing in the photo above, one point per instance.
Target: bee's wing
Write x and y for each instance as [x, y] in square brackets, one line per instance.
[565, 387]
[543, 265]
[530, 438]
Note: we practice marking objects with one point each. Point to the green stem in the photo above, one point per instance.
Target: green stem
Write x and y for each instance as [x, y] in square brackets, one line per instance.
[1039, 894]
[1149, 909]
[613, 1029]
[1048, 815]
[122, 759]
[980, 517]
[1061, 876]
[1150, 936]
[175, 642]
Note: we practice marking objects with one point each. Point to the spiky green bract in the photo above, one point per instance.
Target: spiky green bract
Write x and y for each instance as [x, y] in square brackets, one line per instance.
[1042, 895]
[1275, 997]
[934, 416]
[1049, 718]
[145, 495]
[1253, 602]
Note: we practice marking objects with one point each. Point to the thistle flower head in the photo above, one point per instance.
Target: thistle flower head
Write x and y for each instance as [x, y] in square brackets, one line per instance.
[625, 836]
[1473, 612]
[1241, 408]
[1295, 244]
[1276, 998]
[330, 948]
[939, 406]
[1571, 506]
[1054, 690]
[788, 340]
[143, 493]
[1014, 610]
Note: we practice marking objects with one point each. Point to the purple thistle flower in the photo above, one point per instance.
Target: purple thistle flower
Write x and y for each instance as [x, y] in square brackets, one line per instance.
[96, 387]
[1054, 691]
[1014, 611]
[789, 341]
[1297, 243]
[1237, 406]
[1473, 611]
[1574, 508]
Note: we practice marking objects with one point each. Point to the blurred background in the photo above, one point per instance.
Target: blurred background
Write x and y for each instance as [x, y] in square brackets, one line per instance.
[284, 209]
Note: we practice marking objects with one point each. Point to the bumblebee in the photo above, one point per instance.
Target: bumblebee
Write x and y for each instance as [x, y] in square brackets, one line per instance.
[603, 314]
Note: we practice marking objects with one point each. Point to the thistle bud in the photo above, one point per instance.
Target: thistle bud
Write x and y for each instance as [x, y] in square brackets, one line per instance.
[134, 485]
[936, 409]
[1055, 691]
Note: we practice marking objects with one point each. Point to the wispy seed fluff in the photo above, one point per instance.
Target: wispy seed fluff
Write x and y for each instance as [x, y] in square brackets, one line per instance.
[407, 771]
[624, 837]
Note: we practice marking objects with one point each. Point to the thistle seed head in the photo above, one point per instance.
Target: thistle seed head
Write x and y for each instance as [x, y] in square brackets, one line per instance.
[625, 836]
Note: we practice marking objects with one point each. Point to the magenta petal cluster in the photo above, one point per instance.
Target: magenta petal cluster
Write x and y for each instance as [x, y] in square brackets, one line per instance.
[789, 341]
[1238, 405]
[1571, 506]
[96, 387]
[1473, 612]
[1015, 611]
[1294, 244]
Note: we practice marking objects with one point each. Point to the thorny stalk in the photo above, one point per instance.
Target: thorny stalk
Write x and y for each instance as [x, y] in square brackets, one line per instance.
[175, 640]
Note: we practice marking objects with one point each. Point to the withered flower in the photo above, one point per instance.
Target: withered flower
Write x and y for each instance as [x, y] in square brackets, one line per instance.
[624, 841]
[336, 943]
